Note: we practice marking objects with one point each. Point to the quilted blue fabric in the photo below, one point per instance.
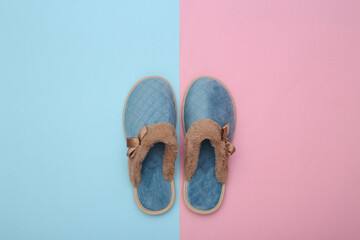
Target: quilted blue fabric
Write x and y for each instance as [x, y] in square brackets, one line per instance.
[150, 102]
[207, 99]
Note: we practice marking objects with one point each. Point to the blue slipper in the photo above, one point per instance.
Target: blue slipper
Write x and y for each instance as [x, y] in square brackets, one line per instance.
[209, 123]
[149, 124]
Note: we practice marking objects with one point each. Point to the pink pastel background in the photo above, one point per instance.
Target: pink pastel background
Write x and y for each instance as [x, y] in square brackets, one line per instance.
[293, 68]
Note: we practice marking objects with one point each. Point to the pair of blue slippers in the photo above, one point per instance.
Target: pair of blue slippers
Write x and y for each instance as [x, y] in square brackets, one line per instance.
[149, 124]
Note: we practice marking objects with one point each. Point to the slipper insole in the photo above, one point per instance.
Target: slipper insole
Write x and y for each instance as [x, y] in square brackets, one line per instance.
[203, 190]
[154, 191]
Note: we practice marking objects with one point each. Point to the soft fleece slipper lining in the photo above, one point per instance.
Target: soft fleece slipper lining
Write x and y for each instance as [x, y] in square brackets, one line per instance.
[204, 190]
[154, 191]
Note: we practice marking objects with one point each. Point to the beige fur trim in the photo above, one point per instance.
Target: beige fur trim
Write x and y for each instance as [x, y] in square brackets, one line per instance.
[198, 132]
[159, 132]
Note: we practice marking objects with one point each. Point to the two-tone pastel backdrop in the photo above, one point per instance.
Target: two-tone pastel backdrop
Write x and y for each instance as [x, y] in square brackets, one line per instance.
[292, 67]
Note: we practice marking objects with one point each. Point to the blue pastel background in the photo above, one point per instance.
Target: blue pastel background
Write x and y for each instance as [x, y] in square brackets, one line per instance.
[65, 70]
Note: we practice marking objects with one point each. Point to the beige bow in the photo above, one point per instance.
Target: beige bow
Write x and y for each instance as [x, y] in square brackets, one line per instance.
[135, 142]
[229, 147]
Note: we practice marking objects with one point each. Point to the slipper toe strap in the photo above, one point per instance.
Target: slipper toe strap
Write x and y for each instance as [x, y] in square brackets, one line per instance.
[196, 134]
[139, 146]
